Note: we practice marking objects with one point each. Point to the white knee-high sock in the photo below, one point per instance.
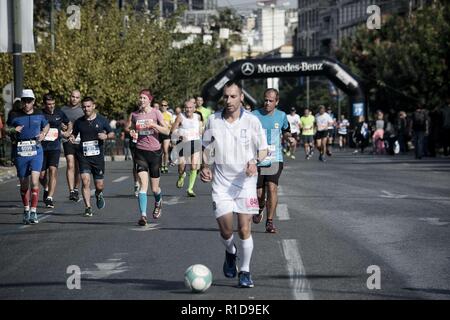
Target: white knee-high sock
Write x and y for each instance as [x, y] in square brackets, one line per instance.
[246, 255]
[229, 244]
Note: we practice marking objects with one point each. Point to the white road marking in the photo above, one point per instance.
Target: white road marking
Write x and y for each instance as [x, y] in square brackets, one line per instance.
[121, 179]
[171, 201]
[387, 194]
[148, 227]
[434, 221]
[300, 284]
[40, 218]
[282, 212]
[106, 269]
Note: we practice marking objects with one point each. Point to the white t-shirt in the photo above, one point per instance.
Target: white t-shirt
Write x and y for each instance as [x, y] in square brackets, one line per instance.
[343, 126]
[234, 145]
[190, 128]
[294, 122]
[322, 121]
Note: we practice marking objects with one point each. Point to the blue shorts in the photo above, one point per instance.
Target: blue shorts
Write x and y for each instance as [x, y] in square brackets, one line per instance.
[25, 165]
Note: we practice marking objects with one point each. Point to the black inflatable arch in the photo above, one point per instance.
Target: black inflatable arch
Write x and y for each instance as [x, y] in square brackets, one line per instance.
[290, 67]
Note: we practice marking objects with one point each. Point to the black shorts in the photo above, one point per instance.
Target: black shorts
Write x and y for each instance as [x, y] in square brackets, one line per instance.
[163, 137]
[321, 134]
[149, 161]
[70, 148]
[276, 168]
[51, 159]
[189, 147]
[295, 135]
[94, 165]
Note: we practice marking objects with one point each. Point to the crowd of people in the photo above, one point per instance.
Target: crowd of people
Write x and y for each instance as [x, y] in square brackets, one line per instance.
[239, 150]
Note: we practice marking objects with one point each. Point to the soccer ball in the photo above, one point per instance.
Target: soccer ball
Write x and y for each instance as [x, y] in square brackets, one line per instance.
[197, 278]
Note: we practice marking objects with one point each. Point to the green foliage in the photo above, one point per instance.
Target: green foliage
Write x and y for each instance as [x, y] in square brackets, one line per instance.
[112, 61]
[406, 61]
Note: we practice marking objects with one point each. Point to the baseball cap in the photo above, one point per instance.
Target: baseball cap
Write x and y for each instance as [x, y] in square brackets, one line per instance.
[28, 93]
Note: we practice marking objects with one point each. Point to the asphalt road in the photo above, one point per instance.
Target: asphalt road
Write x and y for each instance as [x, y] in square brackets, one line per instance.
[335, 220]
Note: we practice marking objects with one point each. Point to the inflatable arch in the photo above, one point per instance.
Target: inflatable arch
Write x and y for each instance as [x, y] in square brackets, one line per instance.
[291, 67]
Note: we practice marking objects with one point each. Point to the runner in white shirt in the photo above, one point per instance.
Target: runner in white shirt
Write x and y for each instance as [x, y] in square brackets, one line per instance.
[323, 121]
[188, 126]
[342, 131]
[234, 142]
[294, 123]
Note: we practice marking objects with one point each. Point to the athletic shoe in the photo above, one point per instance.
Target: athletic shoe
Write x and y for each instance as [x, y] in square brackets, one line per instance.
[321, 158]
[72, 196]
[33, 218]
[76, 195]
[49, 202]
[329, 153]
[158, 209]
[26, 217]
[191, 193]
[142, 221]
[288, 154]
[180, 182]
[257, 218]
[136, 191]
[100, 200]
[245, 280]
[292, 157]
[88, 212]
[270, 228]
[229, 265]
[44, 195]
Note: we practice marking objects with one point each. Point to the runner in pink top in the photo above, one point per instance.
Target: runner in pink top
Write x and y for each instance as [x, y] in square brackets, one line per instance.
[146, 124]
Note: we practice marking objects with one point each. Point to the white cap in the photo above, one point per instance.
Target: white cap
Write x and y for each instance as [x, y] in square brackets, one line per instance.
[28, 93]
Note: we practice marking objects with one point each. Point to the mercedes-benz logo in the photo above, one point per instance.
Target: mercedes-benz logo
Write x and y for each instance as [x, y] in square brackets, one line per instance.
[247, 69]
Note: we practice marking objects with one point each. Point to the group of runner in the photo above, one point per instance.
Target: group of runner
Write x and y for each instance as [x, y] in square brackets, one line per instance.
[239, 151]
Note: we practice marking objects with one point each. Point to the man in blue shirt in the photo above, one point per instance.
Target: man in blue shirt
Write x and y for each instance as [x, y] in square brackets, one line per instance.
[52, 147]
[29, 127]
[275, 123]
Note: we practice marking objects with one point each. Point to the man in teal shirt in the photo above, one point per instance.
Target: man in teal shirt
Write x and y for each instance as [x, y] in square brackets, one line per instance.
[275, 123]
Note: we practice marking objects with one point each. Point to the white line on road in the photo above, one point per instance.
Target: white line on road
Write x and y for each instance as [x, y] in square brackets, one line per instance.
[121, 179]
[434, 221]
[282, 212]
[40, 218]
[300, 285]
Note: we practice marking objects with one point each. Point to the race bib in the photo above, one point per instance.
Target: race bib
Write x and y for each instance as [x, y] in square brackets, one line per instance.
[91, 148]
[271, 156]
[143, 127]
[77, 139]
[191, 134]
[26, 148]
[52, 134]
[252, 203]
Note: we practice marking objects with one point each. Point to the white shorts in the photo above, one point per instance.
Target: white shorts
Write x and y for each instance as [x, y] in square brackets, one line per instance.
[223, 204]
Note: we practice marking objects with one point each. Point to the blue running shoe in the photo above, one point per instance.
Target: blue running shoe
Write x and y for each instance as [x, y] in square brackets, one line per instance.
[229, 265]
[26, 217]
[100, 200]
[245, 280]
[33, 218]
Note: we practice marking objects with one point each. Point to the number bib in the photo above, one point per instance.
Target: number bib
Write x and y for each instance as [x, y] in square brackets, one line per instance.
[52, 134]
[27, 148]
[91, 148]
[252, 203]
[191, 134]
[77, 139]
[142, 127]
[271, 156]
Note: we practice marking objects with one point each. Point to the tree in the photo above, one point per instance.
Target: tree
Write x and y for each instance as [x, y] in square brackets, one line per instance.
[406, 61]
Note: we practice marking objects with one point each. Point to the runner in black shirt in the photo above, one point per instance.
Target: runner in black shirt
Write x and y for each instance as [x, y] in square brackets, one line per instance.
[94, 129]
